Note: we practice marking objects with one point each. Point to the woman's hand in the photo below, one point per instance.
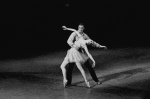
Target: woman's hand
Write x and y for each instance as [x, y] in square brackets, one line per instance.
[64, 27]
[89, 41]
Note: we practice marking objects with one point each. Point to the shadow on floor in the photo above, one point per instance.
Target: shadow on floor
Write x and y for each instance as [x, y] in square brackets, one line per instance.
[123, 75]
[121, 91]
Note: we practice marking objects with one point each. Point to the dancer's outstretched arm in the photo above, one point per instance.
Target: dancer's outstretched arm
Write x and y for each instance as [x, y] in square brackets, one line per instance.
[65, 28]
[93, 43]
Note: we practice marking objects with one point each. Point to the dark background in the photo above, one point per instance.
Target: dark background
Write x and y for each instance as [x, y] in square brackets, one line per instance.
[34, 28]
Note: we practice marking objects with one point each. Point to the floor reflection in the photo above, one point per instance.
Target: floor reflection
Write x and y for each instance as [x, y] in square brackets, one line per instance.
[77, 93]
[100, 93]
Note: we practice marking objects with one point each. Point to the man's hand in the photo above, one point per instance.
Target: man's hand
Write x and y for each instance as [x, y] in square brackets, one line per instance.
[103, 47]
[93, 65]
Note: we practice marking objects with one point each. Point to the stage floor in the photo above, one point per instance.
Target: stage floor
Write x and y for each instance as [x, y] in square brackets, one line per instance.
[124, 76]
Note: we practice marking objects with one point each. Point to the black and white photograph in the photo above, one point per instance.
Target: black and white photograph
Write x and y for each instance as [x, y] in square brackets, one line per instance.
[74, 49]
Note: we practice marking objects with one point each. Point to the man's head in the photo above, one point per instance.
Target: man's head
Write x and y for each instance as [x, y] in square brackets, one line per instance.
[80, 28]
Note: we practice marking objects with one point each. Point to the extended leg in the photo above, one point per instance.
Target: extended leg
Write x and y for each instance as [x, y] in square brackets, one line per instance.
[91, 70]
[83, 73]
[63, 65]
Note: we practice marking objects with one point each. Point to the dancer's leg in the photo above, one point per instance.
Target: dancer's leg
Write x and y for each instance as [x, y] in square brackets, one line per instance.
[91, 70]
[83, 73]
[69, 73]
[63, 65]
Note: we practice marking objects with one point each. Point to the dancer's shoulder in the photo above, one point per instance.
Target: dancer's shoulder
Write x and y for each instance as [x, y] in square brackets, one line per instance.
[86, 36]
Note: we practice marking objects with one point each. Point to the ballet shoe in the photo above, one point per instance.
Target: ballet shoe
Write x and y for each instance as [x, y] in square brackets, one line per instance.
[65, 83]
[88, 84]
[98, 83]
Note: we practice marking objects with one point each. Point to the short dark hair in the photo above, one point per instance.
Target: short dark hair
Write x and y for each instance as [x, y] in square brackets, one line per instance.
[81, 24]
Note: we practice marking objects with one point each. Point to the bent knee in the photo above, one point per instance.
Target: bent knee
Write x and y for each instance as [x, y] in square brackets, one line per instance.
[63, 65]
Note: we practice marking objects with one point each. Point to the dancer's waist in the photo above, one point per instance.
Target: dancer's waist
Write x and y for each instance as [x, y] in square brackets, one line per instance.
[80, 49]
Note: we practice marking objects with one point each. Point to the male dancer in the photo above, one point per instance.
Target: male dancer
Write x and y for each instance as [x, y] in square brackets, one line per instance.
[70, 41]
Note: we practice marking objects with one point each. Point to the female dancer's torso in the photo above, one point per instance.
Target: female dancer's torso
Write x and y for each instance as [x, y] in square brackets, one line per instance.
[80, 42]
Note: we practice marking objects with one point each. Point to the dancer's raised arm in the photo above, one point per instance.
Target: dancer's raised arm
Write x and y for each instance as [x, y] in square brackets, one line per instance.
[65, 28]
[93, 43]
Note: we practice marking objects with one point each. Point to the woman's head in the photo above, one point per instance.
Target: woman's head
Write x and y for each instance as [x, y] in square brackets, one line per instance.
[89, 41]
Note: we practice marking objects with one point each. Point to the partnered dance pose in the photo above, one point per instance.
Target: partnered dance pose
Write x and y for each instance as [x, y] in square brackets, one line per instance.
[79, 55]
